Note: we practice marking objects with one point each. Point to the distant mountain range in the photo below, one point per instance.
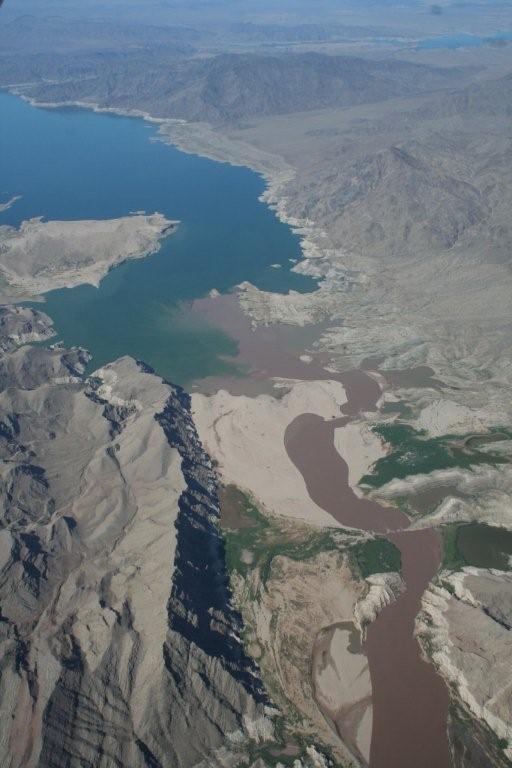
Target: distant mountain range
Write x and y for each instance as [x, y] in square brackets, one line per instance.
[223, 88]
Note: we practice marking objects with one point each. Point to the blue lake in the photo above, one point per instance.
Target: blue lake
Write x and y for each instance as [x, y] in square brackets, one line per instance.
[75, 164]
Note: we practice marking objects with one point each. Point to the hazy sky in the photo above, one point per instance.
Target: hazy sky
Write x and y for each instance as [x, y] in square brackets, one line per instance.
[406, 15]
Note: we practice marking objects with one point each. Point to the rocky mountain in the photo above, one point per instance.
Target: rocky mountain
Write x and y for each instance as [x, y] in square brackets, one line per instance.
[395, 202]
[414, 183]
[20, 325]
[223, 88]
[490, 98]
[118, 640]
[32, 34]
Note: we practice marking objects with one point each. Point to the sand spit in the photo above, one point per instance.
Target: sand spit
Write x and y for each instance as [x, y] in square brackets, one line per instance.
[245, 436]
[9, 203]
[360, 447]
[42, 256]
[300, 309]
[309, 441]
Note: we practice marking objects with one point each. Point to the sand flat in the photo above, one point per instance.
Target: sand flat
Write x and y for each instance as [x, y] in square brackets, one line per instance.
[246, 437]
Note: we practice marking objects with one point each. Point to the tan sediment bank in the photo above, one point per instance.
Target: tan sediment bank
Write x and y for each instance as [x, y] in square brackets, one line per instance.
[342, 685]
[245, 437]
[266, 352]
[410, 700]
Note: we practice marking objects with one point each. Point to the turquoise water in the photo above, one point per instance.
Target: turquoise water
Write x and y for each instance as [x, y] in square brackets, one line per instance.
[75, 164]
[463, 40]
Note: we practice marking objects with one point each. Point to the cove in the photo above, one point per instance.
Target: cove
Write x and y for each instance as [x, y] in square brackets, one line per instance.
[73, 163]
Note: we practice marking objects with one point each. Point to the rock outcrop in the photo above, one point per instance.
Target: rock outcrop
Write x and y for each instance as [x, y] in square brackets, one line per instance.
[466, 625]
[21, 325]
[119, 644]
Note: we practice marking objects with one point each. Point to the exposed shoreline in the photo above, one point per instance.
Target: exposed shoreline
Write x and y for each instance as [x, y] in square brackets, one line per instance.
[363, 393]
[200, 139]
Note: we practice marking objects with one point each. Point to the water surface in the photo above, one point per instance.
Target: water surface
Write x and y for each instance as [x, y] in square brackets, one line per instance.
[75, 164]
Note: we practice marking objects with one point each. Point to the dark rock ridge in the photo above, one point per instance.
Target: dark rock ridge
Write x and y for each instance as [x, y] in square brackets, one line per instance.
[201, 585]
[118, 642]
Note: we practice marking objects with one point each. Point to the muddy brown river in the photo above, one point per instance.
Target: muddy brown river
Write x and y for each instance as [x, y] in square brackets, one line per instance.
[410, 700]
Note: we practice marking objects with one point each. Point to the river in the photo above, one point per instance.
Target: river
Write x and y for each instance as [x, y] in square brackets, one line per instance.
[410, 700]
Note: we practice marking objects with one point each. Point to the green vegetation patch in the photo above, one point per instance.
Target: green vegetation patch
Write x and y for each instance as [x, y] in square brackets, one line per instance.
[252, 540]
[284, 755]
[285, 750]
[476, 544]
[258, 539]
[399, 407]
[452, 559]
[375, 556]
[414, 453]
